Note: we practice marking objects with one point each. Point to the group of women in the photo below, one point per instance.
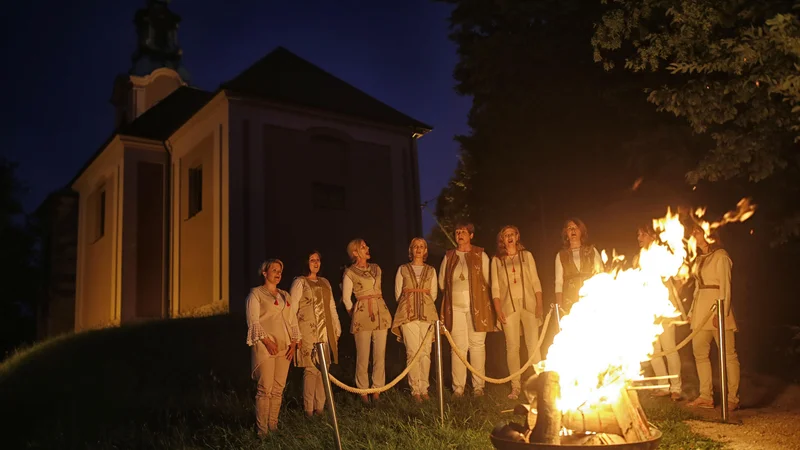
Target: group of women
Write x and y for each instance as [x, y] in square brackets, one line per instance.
[284, 326]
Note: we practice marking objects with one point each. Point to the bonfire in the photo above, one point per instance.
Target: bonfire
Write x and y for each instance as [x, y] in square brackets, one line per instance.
[584, 393]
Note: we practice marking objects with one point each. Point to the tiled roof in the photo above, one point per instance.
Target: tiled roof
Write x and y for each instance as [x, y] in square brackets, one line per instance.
[284, 77]
[160, 121]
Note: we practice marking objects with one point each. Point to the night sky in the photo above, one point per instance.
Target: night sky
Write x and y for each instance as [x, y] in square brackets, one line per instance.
[62, 59]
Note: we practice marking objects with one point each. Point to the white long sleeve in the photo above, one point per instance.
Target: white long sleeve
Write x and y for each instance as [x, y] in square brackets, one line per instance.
[398, 284]
[434, 290]
[495, 267]
[296, 294]
[255, 332]
[537, 283]
[347, 292]
[723, 269]
[442, 269]
[559, 274]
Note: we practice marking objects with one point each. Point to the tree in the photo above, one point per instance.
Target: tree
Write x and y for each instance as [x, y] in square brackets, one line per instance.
[735, 75]
[552, 134]
[17, 272]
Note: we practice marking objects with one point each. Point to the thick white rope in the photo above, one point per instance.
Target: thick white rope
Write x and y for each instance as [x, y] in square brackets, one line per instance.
[522, 369]
[392, 383]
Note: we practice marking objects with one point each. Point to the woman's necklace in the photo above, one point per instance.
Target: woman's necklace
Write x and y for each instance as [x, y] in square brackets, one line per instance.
[513, 267]
[461, 264]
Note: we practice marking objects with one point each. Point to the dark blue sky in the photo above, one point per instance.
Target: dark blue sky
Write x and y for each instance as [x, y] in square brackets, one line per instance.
[61, 59]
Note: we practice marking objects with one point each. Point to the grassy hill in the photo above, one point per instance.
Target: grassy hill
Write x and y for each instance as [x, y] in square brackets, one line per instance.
[184, 383]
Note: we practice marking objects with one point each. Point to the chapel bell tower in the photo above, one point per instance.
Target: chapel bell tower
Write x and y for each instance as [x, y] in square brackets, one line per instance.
[156, 68]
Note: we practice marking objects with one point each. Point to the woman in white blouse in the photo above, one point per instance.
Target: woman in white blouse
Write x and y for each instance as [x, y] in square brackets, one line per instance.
[712, 273]
[575, 263]
[273, 336]
[517, 299]
[415, 288]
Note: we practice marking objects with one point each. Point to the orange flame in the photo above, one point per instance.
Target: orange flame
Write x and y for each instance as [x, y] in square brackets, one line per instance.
[613, 326]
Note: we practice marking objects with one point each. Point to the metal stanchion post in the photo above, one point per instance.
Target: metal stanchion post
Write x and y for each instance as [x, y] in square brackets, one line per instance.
[439, 369]
[322, 365]
[723, 358]
[557, 314]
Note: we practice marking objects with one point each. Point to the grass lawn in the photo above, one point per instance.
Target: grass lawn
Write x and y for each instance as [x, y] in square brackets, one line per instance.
[184, 384]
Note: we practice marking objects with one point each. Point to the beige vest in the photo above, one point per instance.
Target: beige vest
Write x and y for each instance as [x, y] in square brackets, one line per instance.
[414, 304]
[369, 312]
[317, 319]
[505, 279]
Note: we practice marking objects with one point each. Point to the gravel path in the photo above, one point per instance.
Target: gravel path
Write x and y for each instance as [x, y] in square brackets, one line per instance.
[774, 426]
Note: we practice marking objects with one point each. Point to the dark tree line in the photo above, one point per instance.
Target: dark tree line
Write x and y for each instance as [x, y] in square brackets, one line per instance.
[551, 119]
[18, 265]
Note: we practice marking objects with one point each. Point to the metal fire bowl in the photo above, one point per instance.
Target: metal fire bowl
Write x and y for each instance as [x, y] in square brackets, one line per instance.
[505, 444]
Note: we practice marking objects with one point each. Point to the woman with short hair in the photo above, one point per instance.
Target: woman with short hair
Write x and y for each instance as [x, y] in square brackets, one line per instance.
[415, 289]
[273, 336]
[371, 319]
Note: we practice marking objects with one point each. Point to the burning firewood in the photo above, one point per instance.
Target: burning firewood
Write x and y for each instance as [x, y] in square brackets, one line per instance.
[548, 419]
[623, 420]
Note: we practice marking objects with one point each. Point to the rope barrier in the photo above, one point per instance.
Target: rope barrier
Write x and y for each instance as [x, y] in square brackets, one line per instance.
[522, 369]
[464, 360]
[689, 338]
[391, 384]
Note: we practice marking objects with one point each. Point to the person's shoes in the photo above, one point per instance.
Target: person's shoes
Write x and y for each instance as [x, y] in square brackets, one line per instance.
[514, 394]
[478, 393]
[660, 393]
[417, 398]
[458, 393]
[701, 403]
[376, 396]
[320, 412]
[676, 396]
[733, 406]
[365, 399]
[425, 396]
[309, 414]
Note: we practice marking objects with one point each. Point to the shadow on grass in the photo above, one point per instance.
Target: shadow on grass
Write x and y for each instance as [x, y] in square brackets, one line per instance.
[184, 383]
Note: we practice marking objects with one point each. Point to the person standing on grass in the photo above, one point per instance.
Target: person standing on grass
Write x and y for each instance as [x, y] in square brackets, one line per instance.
[517, 299]
[415, 292]
[371, 319]
[646, 235]
[466, 307]
[312, 301]
[273, 336]
[712, 273]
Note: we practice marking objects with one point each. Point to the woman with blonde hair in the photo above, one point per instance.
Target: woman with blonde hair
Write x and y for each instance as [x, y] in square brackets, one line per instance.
[273, 336]
[517, 299]
[313, 303]
[577, 261]
[415, 288]
[370, 316]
